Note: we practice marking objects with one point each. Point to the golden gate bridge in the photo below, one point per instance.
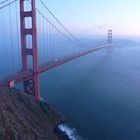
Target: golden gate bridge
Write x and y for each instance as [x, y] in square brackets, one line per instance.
[28, 26]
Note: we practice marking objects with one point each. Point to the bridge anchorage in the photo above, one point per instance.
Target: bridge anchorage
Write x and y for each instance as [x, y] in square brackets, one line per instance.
[30, 76]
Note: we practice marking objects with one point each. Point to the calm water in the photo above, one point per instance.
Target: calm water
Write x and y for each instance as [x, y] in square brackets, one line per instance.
[99, 94]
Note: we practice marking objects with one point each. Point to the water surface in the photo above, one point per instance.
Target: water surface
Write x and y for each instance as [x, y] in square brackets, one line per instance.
[99, 94]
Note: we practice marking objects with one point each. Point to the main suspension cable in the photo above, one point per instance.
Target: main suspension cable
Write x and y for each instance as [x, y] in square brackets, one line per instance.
[77, 40]
[7, 4]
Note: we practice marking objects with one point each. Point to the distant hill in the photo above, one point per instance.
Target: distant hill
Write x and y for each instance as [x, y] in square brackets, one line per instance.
[118, 42]
[125, 43]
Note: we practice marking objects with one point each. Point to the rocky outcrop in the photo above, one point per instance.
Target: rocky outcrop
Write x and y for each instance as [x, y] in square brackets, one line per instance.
[22, 118]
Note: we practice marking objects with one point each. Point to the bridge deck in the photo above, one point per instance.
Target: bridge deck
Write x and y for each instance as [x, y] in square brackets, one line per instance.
[26, 75]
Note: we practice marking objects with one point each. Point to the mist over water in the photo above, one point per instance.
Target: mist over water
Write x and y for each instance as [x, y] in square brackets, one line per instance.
[99, 94]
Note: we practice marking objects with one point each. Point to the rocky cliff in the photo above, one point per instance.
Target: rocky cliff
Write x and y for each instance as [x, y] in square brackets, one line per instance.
[22, 118]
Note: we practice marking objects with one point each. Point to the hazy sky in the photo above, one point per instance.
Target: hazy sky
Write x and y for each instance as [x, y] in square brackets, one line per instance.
[96, 16]
[93, 17]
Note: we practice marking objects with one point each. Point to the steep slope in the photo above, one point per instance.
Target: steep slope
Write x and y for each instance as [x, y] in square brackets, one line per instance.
[22, 118]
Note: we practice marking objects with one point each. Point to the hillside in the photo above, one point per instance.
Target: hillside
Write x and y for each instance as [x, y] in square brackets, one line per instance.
[22, 118]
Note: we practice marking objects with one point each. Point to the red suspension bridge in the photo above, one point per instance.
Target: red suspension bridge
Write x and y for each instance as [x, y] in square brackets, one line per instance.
[28, 24]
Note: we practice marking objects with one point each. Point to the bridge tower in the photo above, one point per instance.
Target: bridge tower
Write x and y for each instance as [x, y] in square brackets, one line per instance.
[109, 39]
[31, 86]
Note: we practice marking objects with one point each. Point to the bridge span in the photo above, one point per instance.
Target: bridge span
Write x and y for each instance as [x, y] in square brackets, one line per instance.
[29, 42]
[22, 75]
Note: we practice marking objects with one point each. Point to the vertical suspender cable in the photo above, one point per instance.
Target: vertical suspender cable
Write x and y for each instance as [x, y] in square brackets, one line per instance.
[18, 40]
[2, 40]
[11, 46]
